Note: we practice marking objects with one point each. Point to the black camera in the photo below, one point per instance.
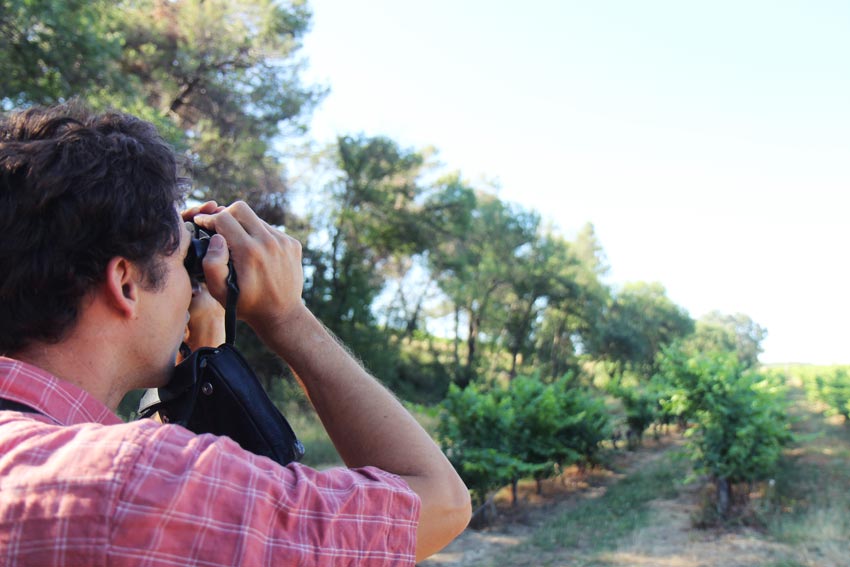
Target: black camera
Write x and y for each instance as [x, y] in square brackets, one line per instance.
[194, 260]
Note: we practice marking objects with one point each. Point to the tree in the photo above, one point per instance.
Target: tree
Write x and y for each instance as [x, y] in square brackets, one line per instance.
[572, 322]
[226, 74]
[369, 220]
[740, 415]
[543, 273]
[444, 216]
[52, 49]
[736, 333]
[639, 322]
[379, 222]
[220, 78]
[474, 268]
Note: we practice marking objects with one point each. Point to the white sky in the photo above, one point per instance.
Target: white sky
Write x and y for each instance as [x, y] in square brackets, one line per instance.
[708, 142]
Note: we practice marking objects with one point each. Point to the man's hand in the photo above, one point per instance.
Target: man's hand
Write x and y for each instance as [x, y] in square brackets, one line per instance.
[206, 319]
[267, 264]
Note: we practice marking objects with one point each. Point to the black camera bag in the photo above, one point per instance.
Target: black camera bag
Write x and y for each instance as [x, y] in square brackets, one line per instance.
[213, 390]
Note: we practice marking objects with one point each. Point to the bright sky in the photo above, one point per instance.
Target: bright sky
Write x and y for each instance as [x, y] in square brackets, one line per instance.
[708, 142]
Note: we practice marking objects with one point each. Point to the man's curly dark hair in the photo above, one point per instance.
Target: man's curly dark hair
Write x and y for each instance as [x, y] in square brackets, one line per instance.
[76, 190]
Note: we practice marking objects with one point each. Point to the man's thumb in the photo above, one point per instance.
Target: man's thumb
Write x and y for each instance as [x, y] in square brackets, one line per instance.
[215, 267]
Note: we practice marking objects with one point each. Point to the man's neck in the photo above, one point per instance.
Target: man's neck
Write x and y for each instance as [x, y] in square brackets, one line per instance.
[77, 363]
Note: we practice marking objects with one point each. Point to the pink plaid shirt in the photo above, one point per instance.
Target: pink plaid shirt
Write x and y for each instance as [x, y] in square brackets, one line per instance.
[80, 487]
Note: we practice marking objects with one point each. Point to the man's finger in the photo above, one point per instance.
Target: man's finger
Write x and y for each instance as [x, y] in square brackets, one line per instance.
[207, 208]
[225, 224]
[249, 220]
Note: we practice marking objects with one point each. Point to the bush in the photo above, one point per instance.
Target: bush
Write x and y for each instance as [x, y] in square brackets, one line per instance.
[498, 435]
[640, 404]
[832, 387]
[740, 417]
[473, 430]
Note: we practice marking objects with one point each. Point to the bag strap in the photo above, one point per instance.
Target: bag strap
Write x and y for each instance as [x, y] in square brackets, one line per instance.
[229, 311]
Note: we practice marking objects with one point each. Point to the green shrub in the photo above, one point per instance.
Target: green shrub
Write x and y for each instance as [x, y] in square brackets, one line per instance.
[496, 436]
[640, 404]
[740, 417]
[832, 387]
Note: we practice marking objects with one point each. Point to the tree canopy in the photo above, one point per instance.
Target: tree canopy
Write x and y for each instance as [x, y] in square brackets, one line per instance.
[430, 279]
[220, 78]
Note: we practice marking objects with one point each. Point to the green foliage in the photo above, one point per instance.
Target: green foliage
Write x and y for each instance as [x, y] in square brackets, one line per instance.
[495, 436]
[639, 323]
[368, 218]
[226, 73]
[641, 404]
[375, 219]
[474, 431]
[740, 416]
[129, 405]
[475, 268]
[220, 78]
[421, 376]
[831, 386]
[733, 333]
[542, 274]
[52, 49]
[570, 324]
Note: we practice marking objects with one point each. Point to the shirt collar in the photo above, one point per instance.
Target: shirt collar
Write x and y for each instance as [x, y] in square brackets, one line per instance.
[61, 401]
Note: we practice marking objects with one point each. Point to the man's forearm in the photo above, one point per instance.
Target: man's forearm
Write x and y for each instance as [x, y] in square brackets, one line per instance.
[364, 420]
[369, 426]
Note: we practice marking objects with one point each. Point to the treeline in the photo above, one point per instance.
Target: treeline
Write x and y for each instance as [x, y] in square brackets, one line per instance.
[475, 286]
[445, 291]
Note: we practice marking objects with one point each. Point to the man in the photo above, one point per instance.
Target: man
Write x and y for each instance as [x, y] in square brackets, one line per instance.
[94, 302]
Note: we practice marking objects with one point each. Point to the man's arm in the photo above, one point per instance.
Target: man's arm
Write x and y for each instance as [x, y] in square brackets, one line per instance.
[365, 421]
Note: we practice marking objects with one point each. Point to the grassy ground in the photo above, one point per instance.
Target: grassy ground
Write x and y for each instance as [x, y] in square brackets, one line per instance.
[320, 452]
[810, 509]
[598, 523]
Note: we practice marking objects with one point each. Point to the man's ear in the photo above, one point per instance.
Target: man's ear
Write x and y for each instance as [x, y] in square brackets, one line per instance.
[122, 286]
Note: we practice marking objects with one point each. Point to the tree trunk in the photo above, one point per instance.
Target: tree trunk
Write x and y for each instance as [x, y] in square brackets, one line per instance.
[456, 350]
[471, 339]
[468, 372]
[556, 350]
[484, 515]
[413, 320]
[724, 496]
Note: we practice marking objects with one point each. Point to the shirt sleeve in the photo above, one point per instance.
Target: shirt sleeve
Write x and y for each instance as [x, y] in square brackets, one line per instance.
[203, 498]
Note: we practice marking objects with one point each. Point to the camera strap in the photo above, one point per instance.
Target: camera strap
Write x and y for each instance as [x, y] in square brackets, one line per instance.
[213, 390]
[230, 307]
